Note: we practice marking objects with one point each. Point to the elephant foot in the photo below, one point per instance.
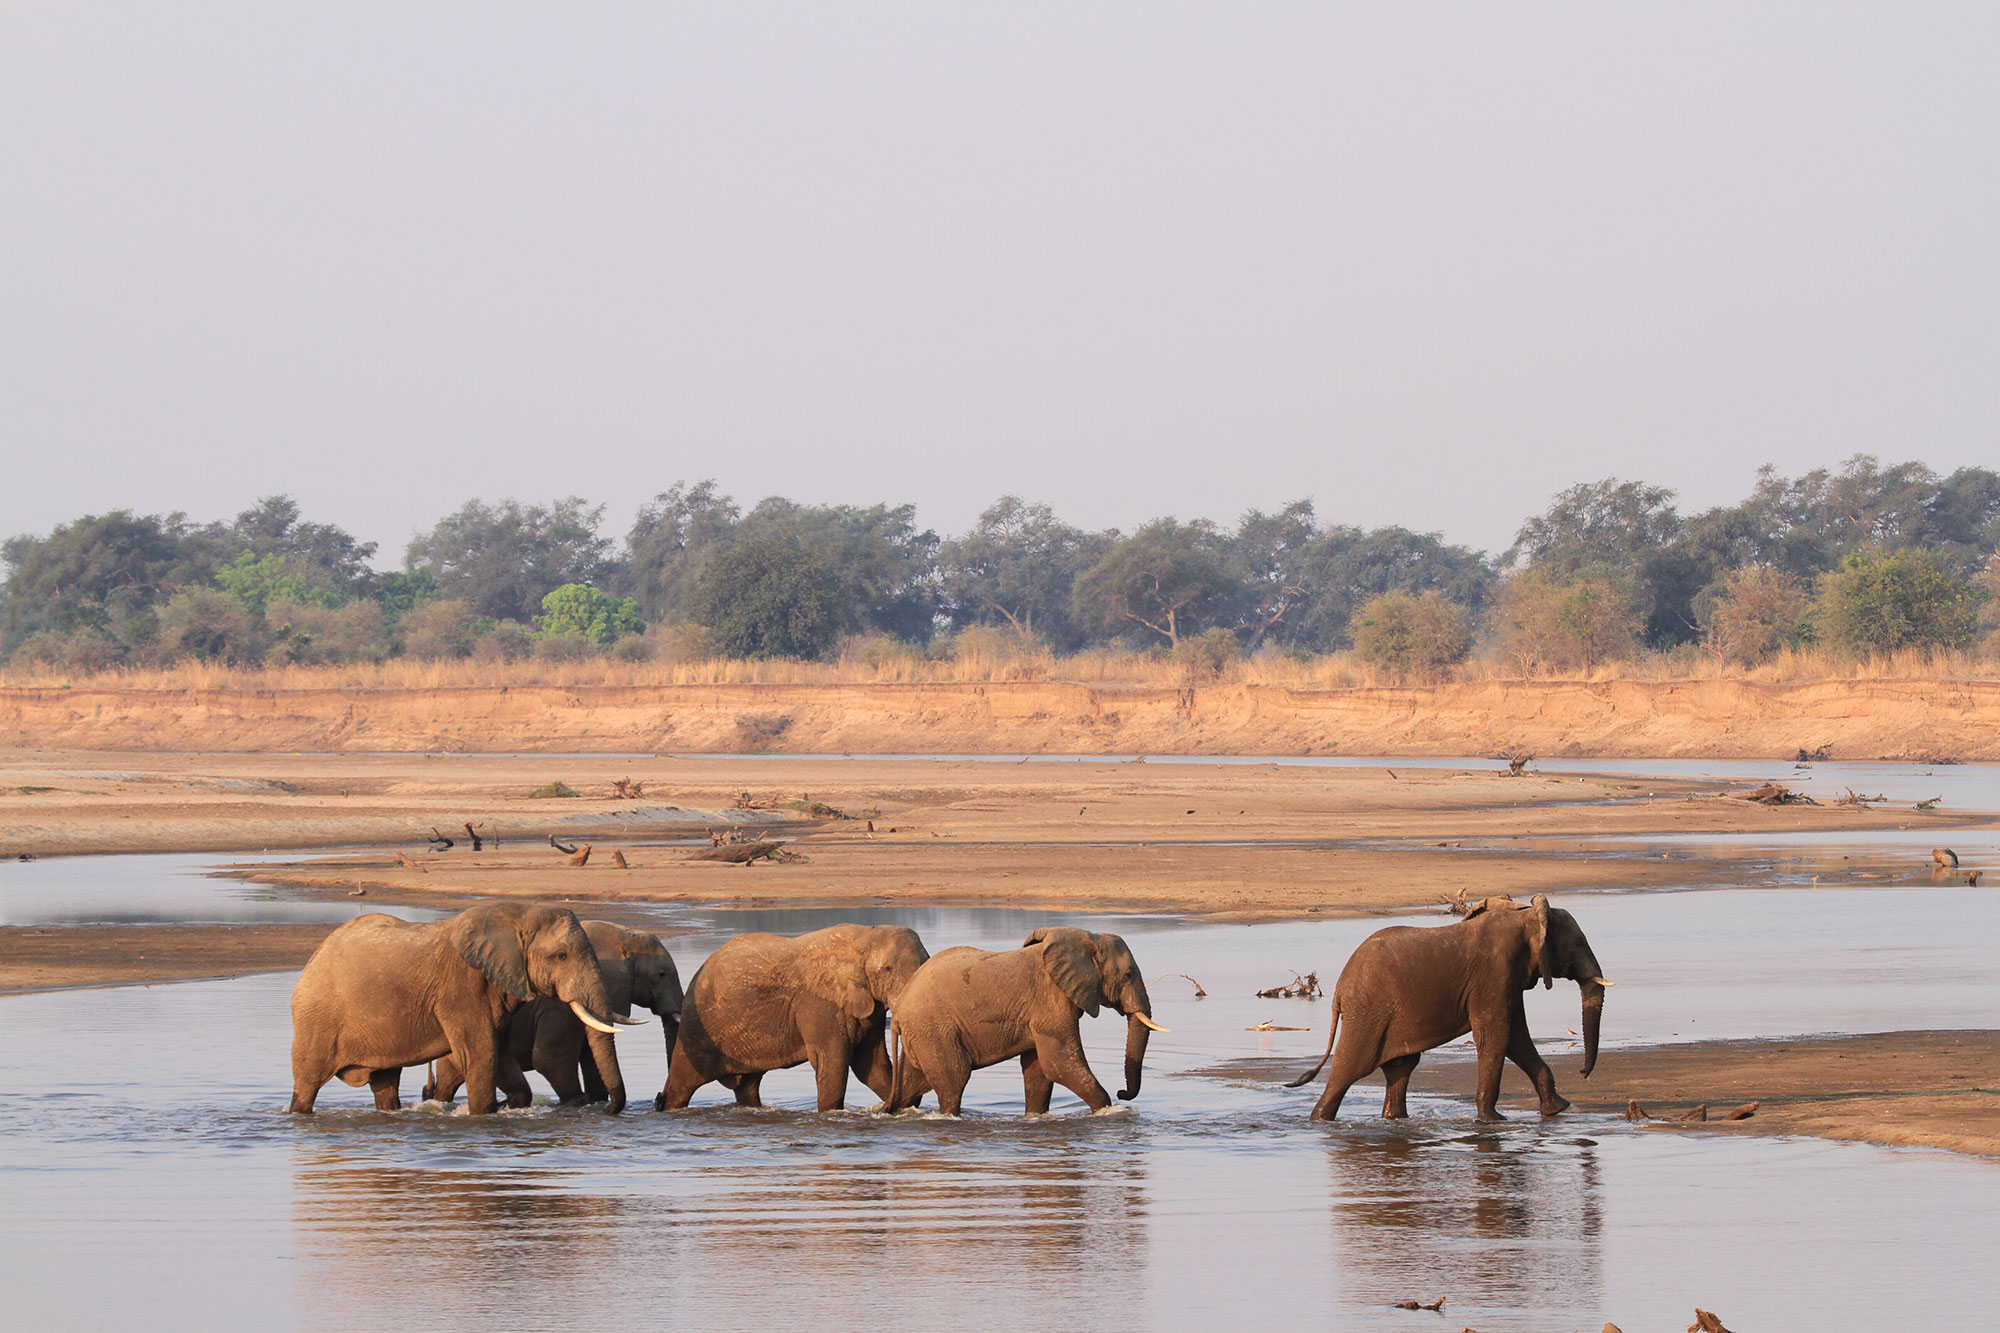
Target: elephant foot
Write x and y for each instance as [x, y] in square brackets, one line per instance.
[1555, 1106]
[1490, 1118]
[660, 1101]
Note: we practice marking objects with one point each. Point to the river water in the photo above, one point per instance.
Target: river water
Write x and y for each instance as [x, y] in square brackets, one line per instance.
[149, 1173]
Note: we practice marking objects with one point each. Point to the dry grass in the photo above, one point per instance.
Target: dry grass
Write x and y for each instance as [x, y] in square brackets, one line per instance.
[871, 662]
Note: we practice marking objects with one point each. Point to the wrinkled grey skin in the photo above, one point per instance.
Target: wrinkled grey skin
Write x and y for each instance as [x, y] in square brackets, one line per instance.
[545, 1036]
[969, 1008]
[1410, 988]
[380, 994]
[764, 1002]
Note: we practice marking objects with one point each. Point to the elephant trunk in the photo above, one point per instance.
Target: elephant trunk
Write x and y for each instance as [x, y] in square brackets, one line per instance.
[604, 1051]
[1136, 1036]
[1593, 1017]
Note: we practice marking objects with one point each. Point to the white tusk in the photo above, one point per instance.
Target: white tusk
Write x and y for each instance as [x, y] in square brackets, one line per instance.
[590, 1020]
[1602, 982]
[1151, 1024]
[629, 1022]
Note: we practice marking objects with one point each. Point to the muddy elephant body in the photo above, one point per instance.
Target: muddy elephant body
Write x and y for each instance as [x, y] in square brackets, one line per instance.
[970, 1008]
[546, 1036]
[1407, 989]
[764, 1002]
[381, 994]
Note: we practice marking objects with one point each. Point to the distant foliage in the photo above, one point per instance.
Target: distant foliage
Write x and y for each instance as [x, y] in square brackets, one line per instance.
[1170, 578]
[1568, 624]
[1756, 614]
[1418, 637]
[209, 625]
[504, 558]
[769, 597]
[1880, 603]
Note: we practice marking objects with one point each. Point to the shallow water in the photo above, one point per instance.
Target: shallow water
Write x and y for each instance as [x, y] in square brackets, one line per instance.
[152, 890]
[148, 1168]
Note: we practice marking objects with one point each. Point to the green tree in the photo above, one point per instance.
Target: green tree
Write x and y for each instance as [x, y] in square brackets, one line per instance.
[209, 625]
[1019, 565]
[1344, 567]
[102, 571]
[883, 564]
[581, 610]
[1169, 577]
[1409, 635]
[669, 542]
[1571, 624]
[1881, 602]
[321, 556]
[770, 597]
[254, 581]
[505, 558]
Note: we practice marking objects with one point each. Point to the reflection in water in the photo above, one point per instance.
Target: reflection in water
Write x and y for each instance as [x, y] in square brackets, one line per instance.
[1515, 1217]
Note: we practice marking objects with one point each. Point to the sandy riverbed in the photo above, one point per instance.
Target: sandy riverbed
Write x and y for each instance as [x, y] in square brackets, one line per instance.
[1232, 842]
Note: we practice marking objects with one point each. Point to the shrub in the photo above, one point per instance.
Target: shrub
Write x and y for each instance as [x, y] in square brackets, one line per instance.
[565, 648]
[1412, 636]
[82, 650]
[209, 625]
[1207, 655]
[1570, 624]
[502, 641]
[313, 634]
[1875, 604]
[760, 731]
[553, 789]
[581, 611]
[678, 643]
[441, 627]
[1756, 613]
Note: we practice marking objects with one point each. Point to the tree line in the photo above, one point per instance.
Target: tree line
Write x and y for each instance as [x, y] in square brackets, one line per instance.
[1861, 560]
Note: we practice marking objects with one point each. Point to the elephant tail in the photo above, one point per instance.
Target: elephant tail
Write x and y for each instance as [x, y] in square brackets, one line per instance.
[1331, 1028]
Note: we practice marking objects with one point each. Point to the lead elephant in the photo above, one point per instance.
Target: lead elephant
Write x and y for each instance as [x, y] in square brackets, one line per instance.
[381, 994]
[969, 1008]
[764, 1002]
[545, 1036]
[1409, 988]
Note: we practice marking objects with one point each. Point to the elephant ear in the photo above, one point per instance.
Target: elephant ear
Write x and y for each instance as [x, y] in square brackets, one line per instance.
[838, 976]
[488, 937]
[1538, 938]
[1070, 958]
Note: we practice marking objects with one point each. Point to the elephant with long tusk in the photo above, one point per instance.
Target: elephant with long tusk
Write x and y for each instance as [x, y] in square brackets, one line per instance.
[1407, 989]
[381, 994]
[559, 1041]
[968, 1008]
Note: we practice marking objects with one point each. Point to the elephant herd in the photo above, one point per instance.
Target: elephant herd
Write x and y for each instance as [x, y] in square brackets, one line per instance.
[502, 988]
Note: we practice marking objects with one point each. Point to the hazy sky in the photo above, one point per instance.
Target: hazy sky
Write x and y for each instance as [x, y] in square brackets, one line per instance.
[1424, 263]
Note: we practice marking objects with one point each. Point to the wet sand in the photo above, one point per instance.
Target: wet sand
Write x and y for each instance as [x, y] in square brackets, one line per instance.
[1237, 842]
[1911, 1089]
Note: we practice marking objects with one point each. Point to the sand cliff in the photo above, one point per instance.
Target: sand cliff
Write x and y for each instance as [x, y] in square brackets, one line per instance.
[1695, 719]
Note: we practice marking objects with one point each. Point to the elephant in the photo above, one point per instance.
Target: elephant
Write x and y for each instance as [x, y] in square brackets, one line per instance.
[543, 1035]
[969, 1008]
[380, 994]
[1407, 989]
[764, 1002]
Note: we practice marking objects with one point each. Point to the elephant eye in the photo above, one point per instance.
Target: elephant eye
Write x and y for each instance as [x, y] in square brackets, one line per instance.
[562, 955]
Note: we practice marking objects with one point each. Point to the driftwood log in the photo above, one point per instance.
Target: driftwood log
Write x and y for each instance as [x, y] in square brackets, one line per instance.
[742, 853]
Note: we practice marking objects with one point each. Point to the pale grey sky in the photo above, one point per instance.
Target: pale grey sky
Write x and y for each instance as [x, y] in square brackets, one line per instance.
[1424, 263]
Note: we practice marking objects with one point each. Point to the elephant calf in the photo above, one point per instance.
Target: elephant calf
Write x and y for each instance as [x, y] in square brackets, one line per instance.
[968, 1008]
[764, 1002]
[1410, 988]
[381, 994]
[545, 1036]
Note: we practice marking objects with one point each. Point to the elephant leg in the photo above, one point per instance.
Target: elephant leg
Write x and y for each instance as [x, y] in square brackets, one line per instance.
[1037, 1085]
[387, 1085]
[1395, 1097]
[1060, 1055]
[445, 1081]
[749, 1089]
[1353, 1060]
[1521, 1050]
[870, 1063]
[311, 1068]
[830, 1077]
[475, 1046]
[593, 1082]
[512, 1081]
[1492, 1060]
[563, 1078]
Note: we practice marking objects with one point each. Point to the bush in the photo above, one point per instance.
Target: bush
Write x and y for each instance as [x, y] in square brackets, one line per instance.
[1875, 604]
[1412, 636]
[441, 627]
[553, 789]
[312, 634]
[1756, 613]
[84, 650]
[678, 643]
[1207, 655]
[565, 647]
[760, 731]
[1570, 624]
[504, 641]
[632, 648]
[209, 625]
